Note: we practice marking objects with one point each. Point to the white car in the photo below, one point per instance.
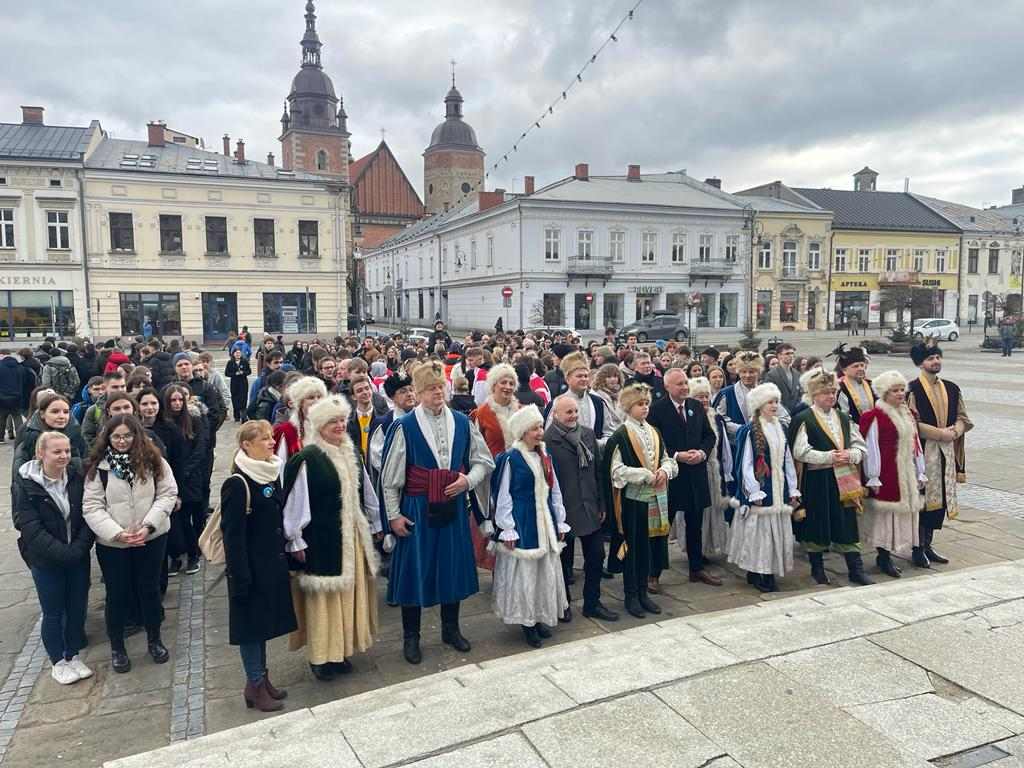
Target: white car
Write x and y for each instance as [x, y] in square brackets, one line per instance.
[936, 327]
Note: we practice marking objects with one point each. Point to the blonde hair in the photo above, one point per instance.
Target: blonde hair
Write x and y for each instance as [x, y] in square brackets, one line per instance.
[253, 430]
[45, 438]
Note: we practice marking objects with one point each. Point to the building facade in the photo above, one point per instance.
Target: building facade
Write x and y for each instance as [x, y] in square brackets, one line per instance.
[585, 253]
[453, 163]
[43, 289]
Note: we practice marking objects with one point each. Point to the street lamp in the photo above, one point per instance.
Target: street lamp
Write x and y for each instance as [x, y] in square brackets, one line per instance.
[755, 230]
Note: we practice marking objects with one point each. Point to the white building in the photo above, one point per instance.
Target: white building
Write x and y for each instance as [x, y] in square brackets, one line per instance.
[585, 252]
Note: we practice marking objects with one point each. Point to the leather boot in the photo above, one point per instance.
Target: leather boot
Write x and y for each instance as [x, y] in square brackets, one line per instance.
[818, 567]
[451, 635]
[885, 564]
[277, 694]
[257, 696]
[929, 551]
[646, 603]
[411, 649]
[855, 565]
[633, 607]
[919, 558]
[531, 636]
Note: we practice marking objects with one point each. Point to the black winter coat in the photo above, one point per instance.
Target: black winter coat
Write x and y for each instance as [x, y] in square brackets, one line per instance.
[193, 461]
[46, 539]
[259, 590]
[162, 366]
[26, 448]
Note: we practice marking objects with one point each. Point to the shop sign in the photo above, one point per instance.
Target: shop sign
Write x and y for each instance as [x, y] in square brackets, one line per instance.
[646, 290]
[27, 280]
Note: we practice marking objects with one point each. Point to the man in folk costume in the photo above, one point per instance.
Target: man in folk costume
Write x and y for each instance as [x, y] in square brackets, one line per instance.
[576, 374]
[895, 474]
[433, 457]
[573, 451]
[855, 393]
[689, 440]
[329, 516]
[731, 402]
[398, 388]
[761, 542]
[828, 450]
[721, 486]
[942, 422]
[638, 470]
[529, 589]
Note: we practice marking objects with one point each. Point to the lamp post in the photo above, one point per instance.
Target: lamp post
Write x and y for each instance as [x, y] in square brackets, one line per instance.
[755, 230]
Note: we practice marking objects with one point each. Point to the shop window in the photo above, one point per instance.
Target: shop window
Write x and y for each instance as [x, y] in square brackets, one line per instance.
[613, 308]
[706, 311]
[150, 314]
[554, 309]
[764, 309]
[728, 310]
[289, 312]
[789, 306]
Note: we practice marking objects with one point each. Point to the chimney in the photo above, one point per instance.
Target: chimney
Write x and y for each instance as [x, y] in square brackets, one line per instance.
[714, 181]
[582, 172]
[227, 145]
[240, 152]
[270, 159]
[1017, 196]
[31, 115]
[491, 199]
[528, 186]
[156, 133]
[633, 173]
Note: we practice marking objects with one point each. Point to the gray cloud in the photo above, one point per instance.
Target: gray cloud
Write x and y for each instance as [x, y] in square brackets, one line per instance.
[806, 91]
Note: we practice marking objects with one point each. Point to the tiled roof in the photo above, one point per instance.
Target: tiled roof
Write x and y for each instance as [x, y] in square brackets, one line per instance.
[966, 217]
[174, 158]
[896, 211]
[381, 186]
[44, 142]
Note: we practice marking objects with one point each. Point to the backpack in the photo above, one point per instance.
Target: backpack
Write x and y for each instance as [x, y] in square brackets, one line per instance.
[63, 379]
[211, 541]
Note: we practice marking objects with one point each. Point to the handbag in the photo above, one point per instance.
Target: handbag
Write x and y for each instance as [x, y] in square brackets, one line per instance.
[211, 540]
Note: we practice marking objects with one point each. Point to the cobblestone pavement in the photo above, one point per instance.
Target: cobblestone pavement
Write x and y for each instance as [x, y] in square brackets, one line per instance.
[199, 692]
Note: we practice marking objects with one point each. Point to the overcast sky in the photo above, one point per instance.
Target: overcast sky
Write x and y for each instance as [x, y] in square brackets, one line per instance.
[748, 90]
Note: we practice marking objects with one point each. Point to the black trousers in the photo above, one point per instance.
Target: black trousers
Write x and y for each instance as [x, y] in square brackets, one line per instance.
[122, 569]
[694, 521]
[636, 567]
[186, 527]
[412, 616]
[593, 560]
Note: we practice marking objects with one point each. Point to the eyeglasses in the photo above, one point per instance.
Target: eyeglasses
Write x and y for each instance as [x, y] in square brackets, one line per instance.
[122, 438]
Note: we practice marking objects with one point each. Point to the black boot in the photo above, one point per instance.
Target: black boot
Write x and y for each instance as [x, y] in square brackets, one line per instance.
[919, 558]
[762, 582]
[929, 551]
[411, 615]
[818, 567]
[450, 633]
[322, 672]
[531, 636]
[543, 630]
[156, 648]
[633, 607]
[855, 566]
[770, 581]
[885, 564]
[646, 603]
[411, 649]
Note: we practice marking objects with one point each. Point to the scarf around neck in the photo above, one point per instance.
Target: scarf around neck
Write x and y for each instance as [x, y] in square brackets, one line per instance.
[261, 471]
[573, 437]
[121, 466]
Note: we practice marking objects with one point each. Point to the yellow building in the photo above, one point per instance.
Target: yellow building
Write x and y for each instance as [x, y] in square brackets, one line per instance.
[184, 242]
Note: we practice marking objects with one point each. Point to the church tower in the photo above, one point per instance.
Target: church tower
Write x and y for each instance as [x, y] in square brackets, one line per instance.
[453, 164]
[314, 132]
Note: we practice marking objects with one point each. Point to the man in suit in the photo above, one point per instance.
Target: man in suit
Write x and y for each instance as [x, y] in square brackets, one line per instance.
[786, 377]
[688, 437]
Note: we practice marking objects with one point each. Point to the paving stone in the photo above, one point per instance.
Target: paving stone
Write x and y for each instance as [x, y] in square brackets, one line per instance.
[418, 690]
[853, 672]
[1004, 614]
[928, 725]
[633, 730]
[509, 751]
[994, 713]
[928, 601]
[762, 720]
[1004, 581]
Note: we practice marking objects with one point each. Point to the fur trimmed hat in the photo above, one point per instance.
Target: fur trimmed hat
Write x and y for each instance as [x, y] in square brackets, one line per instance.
[632, 394]
[886, 381]
[573, 362]
[761, 395]
[818, 380]
[523, 420]
[848, 357]
[748, 359]
[426, 375]
[499, 372]
[395, 382]
[700, 385]
[325, 411]
[305, 387]
[921, 352]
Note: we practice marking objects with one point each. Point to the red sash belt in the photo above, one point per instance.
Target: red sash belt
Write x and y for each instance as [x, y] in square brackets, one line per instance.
[431, 483]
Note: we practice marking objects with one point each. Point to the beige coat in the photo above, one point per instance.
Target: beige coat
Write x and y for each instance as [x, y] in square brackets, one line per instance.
[123, 506]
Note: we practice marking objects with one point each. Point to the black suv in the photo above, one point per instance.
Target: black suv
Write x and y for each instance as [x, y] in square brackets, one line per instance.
[660, 325]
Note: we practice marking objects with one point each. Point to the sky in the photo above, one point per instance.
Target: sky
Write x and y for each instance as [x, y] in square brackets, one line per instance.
[806, 91]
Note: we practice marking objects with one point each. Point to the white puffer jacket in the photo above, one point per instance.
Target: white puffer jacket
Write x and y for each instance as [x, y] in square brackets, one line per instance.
[123, 506]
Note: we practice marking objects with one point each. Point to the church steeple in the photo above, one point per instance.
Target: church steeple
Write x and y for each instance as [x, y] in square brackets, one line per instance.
[310, 40]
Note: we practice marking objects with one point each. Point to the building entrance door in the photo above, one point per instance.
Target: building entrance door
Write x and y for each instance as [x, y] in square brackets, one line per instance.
[220, 315]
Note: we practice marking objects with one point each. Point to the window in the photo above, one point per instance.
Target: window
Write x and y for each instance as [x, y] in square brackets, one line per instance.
[617, 246]
[551, 240]
[289, 312]
[58, 235]
[613, 308]
[309, 239]
[891, 260]
[840, 260]
[940, 259]
[6, 227]
[122, 236]
[972, 308]
[789, 306]
[170, 234]
[764, 256]
[150, 314]
[37, 313]
[584, 245]
[864, 260]
[649, 248]
[919, 257]
[972, 261]
[490, 250]
[55, 182]
[264, 235]
[814, 256]
[706, 311]
[472, 254]
[321, 160]
[704, 250]
[732, 247]
[727, 309]
[420, 293]
[678, 248]
[993, 261]
[764, 309]
[583, 315]
[216, 234]
[789, 258]
[554, 309]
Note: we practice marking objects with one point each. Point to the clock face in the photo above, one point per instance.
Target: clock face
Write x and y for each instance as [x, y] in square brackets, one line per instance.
[465, 188]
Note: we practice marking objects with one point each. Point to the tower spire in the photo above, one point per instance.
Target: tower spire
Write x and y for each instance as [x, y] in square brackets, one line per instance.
[310, 40]
[453, 72]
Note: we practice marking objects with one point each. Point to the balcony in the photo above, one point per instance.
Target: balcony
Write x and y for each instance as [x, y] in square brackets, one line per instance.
[596, 267]
[793, 274]
[715, 269]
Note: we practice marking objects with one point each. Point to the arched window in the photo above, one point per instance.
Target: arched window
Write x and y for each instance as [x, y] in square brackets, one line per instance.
[321, 160]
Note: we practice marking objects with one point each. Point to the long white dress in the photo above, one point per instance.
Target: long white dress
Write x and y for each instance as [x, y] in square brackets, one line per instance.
[714, 529]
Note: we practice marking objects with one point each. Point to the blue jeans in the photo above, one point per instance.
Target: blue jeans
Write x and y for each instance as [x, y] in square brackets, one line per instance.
[254, 660]
[63, 597]
[1007, 345]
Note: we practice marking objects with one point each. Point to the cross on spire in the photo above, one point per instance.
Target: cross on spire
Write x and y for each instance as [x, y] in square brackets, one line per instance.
[453, 72]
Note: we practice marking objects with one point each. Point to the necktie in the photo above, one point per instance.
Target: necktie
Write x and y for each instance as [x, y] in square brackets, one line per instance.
[682, 413]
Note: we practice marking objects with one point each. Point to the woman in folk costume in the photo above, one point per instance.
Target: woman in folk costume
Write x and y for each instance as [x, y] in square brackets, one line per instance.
[715, 529]
[766, 488]
[528, 586]
[328, 521]
[895, 473]
[828, 449]
[302, 394]
[638, 468]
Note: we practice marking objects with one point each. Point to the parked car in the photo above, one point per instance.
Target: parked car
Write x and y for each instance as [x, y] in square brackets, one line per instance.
[660, 325]
[936, 327]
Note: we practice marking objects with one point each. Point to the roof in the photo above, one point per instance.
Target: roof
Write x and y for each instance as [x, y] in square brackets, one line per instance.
[431, 224]
[665, 189]
[1011, 213]
[44, 142]
[895, 211]
[138, 156]
[764, 204]
[964, 216]
[381, 186]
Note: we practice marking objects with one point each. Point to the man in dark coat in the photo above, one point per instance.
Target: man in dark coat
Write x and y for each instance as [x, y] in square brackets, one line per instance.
[16, 382]
[689, 438]
[786, 377]
[573, 451]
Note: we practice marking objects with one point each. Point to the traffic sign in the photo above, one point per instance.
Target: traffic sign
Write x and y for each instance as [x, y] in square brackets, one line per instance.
[506, 292]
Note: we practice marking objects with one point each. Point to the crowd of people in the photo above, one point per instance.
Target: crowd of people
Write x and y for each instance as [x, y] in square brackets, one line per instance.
[425, 461]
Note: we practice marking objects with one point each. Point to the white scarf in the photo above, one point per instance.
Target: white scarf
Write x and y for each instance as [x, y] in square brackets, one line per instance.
[262, 471]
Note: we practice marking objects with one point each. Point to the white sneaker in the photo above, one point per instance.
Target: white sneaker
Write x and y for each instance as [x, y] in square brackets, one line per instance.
[64, 673]
[79, 667]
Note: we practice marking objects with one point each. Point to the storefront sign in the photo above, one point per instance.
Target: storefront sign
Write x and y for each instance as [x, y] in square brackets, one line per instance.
[646, 290]
[858, 283]
[25, 281]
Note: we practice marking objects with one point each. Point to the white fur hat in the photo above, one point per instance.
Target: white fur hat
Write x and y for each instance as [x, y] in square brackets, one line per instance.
[700, 386]
[524, 419]
[326, 410]
[762, 394]
[305, 387]
[499, 372]
[886, 381]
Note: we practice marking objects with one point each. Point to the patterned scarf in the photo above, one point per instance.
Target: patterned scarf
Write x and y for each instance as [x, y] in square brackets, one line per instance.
[586, 457]
[121, 466]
